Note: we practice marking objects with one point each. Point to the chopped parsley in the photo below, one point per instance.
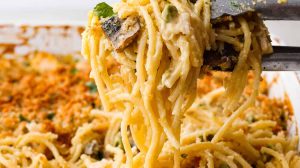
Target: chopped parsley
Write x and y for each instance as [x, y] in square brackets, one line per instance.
[50, 116]
[119, 144]
[74, 71]
[224, 165]
[201, 138]
[22, 118]
[91, 86]
[170, 12]
[103, 10]
[271, 146]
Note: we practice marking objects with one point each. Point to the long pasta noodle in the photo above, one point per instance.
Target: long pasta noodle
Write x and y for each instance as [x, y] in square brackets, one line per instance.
[161, 106]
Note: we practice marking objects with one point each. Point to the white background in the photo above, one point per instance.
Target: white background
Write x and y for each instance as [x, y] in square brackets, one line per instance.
[75, 12]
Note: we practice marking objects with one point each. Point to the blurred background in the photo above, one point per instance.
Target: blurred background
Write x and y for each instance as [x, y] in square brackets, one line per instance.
[39, 12]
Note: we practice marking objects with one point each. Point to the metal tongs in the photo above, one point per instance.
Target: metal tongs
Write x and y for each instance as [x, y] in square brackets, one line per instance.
[283, 58]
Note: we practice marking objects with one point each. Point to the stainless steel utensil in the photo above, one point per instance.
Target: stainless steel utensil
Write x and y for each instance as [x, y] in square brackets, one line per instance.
[283, 58]
[269, 9]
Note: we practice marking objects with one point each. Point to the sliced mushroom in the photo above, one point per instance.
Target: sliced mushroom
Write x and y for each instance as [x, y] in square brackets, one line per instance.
[94, 149]
[121, 32]
[221, 60]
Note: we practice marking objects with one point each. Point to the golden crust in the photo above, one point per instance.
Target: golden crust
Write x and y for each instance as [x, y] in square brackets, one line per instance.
[46, 90]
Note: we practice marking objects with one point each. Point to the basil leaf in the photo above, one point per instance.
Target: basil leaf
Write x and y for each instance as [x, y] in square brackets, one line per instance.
[103, 10]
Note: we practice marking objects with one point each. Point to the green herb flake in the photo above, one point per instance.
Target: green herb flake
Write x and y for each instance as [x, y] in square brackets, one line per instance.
[122, 146]
[271, 146]
[50, 116]
[74, 71]
[103, 10]
[224, 165]
[170, 12]
[22, 118]
[184, 155]
[119, 144]
[91, 86]
[201, 138]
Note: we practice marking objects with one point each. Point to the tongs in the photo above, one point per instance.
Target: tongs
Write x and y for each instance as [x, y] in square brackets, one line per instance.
[283, 58]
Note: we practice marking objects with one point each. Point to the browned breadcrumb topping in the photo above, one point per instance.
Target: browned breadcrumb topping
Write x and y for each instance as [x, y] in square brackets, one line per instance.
[267, 108]
[58, 95]
[55, 93]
